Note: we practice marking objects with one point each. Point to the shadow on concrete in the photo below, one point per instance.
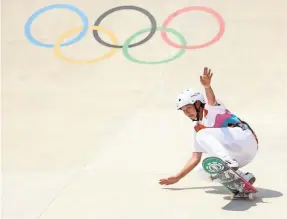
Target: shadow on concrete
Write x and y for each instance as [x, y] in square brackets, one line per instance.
[237, 204]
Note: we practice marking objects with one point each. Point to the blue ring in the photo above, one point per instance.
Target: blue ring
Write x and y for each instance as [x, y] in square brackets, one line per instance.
[58, 6]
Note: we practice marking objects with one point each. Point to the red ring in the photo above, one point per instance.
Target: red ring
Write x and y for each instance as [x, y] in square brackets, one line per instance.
[194, 8]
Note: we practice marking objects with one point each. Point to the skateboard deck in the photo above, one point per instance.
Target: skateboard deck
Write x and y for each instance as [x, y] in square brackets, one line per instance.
[220, 171]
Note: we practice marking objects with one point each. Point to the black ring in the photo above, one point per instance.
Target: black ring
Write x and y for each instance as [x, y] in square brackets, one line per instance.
[145, 12]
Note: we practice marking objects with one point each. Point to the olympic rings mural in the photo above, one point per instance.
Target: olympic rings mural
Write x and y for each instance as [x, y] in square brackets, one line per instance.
[82, 30]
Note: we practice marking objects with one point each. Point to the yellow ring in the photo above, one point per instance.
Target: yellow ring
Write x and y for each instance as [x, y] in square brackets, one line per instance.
[76, 30]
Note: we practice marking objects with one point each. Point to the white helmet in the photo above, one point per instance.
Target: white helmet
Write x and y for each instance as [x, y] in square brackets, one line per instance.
[189, 96]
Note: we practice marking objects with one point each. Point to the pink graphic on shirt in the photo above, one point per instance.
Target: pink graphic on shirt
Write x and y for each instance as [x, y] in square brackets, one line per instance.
[221, 118]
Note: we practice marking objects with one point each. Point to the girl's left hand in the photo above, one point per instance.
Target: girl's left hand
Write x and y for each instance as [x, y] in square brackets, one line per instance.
[205, 79]
[169, 180]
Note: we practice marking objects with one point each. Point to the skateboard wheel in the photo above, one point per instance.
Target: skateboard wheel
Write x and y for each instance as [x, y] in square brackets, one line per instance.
[232, 196]
[251, 196]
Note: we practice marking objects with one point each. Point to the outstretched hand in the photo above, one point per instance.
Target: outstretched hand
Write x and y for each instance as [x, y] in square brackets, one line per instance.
[169, 180]
[205, 79]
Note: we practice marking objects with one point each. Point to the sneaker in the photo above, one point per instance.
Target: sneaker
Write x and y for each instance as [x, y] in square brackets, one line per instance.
[232, 164]
[249, 177]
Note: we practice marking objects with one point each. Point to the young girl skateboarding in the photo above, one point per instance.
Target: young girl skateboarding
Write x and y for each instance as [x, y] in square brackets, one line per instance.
[218, 132]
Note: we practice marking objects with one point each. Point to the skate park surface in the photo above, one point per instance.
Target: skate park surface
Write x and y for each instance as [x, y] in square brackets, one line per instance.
[90, 139]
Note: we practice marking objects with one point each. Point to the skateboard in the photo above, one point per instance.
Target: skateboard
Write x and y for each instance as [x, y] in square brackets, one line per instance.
[220, 171]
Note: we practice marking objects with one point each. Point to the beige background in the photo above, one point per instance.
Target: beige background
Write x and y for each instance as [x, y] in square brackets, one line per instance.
[92, 141]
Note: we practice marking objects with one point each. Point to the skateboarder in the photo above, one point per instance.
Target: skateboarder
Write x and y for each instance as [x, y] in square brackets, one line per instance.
[218, 132]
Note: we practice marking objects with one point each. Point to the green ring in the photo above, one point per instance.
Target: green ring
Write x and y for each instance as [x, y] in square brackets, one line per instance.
[129, 40]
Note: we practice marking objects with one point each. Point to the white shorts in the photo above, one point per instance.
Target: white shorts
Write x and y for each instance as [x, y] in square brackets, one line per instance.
[226, 143]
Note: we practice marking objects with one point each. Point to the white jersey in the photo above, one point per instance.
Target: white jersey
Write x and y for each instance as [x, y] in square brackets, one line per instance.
[217, 116]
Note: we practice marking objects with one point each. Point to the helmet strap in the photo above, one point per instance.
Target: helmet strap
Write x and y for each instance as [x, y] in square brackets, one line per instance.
[198, 110]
